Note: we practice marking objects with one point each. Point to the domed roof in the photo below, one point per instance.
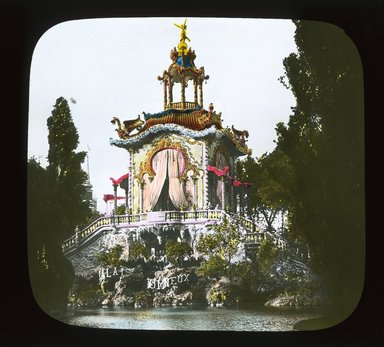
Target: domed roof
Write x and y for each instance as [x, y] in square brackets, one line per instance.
[183, 61]
[183, 70]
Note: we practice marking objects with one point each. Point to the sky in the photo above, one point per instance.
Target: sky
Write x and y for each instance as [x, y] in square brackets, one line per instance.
[109, 67]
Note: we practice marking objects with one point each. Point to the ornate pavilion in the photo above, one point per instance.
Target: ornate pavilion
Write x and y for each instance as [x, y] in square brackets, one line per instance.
[181, 172]
[181, 158]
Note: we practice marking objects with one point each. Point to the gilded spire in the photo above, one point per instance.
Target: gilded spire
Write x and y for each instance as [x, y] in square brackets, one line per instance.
[182, 46]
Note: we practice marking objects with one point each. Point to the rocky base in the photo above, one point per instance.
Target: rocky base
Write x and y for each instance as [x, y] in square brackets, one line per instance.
[289, 283]
[298, 300]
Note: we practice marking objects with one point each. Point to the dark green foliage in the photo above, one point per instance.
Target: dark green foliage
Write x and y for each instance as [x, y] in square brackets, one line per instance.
[64, 169]
[150, 239]
[176, 251]
[222, 242]
[55, 205]
[143, 298]
[198, 294]
[266, 256]
[247, 277]
[324, 143]
[85, 292]
[50, 272]
[111, 258]
[316, 171]
[90, 219]
[215, 266]
[137, 250]
[270, 191]
[120, 210]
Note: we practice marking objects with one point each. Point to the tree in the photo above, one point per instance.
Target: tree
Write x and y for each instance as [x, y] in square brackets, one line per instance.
[222, 242]
[138, 249]
[324, 143]
[55, 205]
[214, 266]
[266, 256]
[120, 210]
[269, 193]
[176, 251]
[50, 272]
[111, 257]
[65, 170]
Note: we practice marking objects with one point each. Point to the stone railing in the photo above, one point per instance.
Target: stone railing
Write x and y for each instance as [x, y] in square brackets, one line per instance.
[194, 215]
[253, 233]
[81, 235]
[135, 220]
[258, 237]
[248, 224]
[179, 105]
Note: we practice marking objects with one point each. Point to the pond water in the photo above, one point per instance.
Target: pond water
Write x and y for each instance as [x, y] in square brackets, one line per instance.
[193, 318]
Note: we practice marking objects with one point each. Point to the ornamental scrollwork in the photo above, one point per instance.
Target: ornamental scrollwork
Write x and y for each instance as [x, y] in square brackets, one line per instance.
[162, 144]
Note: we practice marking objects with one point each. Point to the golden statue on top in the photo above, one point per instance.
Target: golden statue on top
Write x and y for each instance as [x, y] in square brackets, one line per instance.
[182, 46]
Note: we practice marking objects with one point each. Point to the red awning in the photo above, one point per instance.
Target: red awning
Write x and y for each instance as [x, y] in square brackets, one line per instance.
[119, 180]
[217, 171]
[108, 197]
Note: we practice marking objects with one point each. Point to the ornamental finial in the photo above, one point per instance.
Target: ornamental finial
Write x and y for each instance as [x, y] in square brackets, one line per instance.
[182, 46]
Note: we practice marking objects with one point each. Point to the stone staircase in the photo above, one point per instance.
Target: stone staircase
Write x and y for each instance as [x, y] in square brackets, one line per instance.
[253, 233]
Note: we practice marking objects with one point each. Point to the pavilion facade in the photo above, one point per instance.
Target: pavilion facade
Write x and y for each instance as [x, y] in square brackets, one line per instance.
[181, 158]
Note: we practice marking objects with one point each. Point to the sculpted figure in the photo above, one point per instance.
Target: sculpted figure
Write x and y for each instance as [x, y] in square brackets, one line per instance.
[182, 46]
[183, 33]
[242, 135]
[125, 128]
[196, 120]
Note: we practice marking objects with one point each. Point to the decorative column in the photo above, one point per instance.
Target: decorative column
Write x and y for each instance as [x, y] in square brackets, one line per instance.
[195, 192]
[115, 203]
[170, 93]
[130, 183]
[183, 89]
[195, 91]
[165, 93]
[141, 185]
[222, 193]
[126, 200]
[201, 92]
[233, 201]
[77, 237]
[205, 186]
[184, 187]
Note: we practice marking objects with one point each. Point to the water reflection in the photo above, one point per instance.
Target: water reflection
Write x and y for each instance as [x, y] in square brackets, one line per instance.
[191, 318]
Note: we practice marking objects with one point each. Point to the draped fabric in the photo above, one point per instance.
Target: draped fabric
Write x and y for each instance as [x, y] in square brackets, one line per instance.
[146, 194]
[108, 197]
[237, 183]
[190, 189]
[119, 180]
[175, 168]
[217, 171]
[167, 163]
[164, 202]
[159, 165]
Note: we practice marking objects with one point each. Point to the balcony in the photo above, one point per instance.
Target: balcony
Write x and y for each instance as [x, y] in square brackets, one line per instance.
[180, 106]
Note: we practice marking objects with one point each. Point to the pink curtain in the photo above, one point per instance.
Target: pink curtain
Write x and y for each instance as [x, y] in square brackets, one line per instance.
[172, 160]
[159, 165]
[175, 168]
[152, 189]
[190, 189]
[146, 193]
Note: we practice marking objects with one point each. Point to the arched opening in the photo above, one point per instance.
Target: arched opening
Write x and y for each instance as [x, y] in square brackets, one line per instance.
[165, 192]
